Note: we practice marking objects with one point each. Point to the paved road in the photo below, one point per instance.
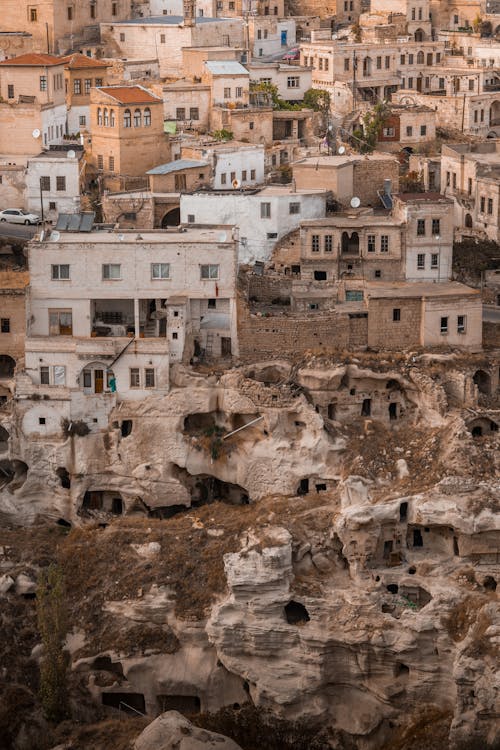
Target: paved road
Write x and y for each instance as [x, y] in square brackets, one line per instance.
[12, 232]
[491, 314]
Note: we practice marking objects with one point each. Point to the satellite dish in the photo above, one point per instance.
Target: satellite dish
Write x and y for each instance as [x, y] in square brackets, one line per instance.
[235, 184]
[71, 154]
[55, 236]
[355, 202]
[36, 133]
[341, 150]
[222, 237]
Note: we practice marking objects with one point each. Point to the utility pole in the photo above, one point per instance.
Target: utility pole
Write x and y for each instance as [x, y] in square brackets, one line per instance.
[41, 198]
[354, 68]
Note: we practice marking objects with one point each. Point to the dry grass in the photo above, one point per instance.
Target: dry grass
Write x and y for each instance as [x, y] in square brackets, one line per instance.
[112, 734]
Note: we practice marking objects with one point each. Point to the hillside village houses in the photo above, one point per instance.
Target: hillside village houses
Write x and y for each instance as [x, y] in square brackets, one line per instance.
[178, 143]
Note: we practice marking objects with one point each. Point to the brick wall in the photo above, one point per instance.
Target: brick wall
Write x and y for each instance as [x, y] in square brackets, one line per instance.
[384, 332]
[491, 335]
[369, 176]
[265, 289]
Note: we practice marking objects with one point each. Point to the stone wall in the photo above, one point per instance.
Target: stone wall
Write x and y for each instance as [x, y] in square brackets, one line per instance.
[386, 333]
[369, 176]
[265, 289]
[491, 335]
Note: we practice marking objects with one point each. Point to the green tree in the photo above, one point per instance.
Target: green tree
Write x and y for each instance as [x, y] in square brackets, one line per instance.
[222, 135]
[318, 100]
[371, 124]
[52, 625]
[272, 92]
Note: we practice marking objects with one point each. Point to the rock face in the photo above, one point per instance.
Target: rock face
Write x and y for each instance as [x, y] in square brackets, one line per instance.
[334, 561]
[172, 731]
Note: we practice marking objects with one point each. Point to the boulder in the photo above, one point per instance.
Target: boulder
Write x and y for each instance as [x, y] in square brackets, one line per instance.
[172, 731]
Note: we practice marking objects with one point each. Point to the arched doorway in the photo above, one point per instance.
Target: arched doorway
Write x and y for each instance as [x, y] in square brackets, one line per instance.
[468, 221]
[420, 35]
[483, 381]
[495, 113]
[350, 245]
[172, 218]
[7, 366]
[492, 134]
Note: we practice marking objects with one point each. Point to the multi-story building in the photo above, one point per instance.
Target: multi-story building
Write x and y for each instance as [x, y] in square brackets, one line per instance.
[292, 81]
[128, 137]
[109, 311]
[33, 104]
[82, 73]
[12, 325]
[416, 12]
[54, 180]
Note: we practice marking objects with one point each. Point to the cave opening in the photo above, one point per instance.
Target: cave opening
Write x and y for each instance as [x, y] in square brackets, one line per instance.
[13, 472]
[4, 438]
[108, 501]
[392, 588]
[296, 613]
[62, 522]
[303, 488]
[126, 427]
[185, 704]
[393, 410]
[403, 511]
[490, 583]
[64, 477]
[366, 408]
[401, 669]
[105, 664]
[130, 703]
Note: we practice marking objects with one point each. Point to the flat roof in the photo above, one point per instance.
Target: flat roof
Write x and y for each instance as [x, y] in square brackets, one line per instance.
[225, 67]
[177, 166]
[346, 219]
[186, 234]
[165, 21]
[429, 197]
[380, 289]
[338, 160]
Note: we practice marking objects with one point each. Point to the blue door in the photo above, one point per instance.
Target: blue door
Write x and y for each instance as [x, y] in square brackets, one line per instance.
[283, 38]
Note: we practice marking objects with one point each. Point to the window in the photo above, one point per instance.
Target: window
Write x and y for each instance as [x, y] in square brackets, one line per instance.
[99, 116]
[490, 205]
[92, 10]
[421, 261]
[180, 182]
[223, 178]
[233, 176]
[147, 117]
[388, 132]
[259, 34]
[111, 163]
[438, 60]
[315, 243]
[122, 37]
[436, 227]
[209, 271]
[469, 186]
[444, 325]
[371, 243]
[60, 272]
[423, 130]
[77, 86]
[476, 115]
[180, 113]
[272, 235]
[441, 84]
[113, 9]
[250, 125]
[482, 115]
[135, 377]
[212, 303]
[384, 243]
[137, 118]
[471, 84]
[100, 161]
[43, 83]
[379, 63]
[409, 130]
[346, 64]
[227, 93]
[402, 59]
[410, 82]
[60, 323]
[294, 208]
[127, 119]
[149, 377]
[5, 325]
[190, 218]
[483, 204]
[377, 274]
[387, 63]
[420, 58]
[53, 375]
[420, 227]
[396, 314]
[33, 15]
[52, 206]
[45, 183]
[448, 179]
[461, 323]
[130, 215]
[454, 180]
[10, 91]
[44, 375]
[252, 174]
[82, 120]
[293, 82]
[112, 118]
[111, 271]
[98, 82]
[194, 113]
[162, 38]
[320, 63]
[265, 210]
[328, 243]
[60, 183]
[239, 92]
[410, 59]
[244, 175]
[70, 13]
[434, 260]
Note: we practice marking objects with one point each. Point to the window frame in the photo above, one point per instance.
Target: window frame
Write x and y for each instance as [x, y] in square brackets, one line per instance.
[160, 267]
[110, 277]
[55, 272]
[211, 269]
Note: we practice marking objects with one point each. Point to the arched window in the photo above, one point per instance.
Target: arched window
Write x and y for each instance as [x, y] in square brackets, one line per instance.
[99, 116]
[106, 117]
[137, 118]
[147, 117]
[112, 117]
[420, 58]
[127, 119]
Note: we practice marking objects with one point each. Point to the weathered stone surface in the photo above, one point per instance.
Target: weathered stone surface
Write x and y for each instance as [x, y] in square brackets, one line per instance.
[172, 731]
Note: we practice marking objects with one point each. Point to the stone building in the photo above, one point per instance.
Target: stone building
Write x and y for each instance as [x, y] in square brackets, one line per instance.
[407, 128]
[108, 313]
[82, 73]
[416, 13]
[33, 103]
[292, 81]
[127, 135]
[55, 180]
[12, 324]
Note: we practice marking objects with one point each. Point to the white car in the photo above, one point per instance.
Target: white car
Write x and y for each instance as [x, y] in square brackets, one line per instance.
[18, 216]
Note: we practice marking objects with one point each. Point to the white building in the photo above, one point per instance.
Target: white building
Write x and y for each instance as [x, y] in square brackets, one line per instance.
[54, 178]
[269, 35]
[292, 81]
[263, 216]
[244, 162]
[109, 311]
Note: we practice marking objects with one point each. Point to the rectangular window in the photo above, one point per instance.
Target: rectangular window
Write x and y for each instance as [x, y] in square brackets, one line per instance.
[315, 243]
[436, 227]
[122, 37]
[135, 377]
[10, 91]
[194, 113]
[60, 183]
[239, 92]
[223, 178]
[60, 272]
[77, 86]
[160, 270]
[244, 175]
[420, 227]
[33, 15]
[293, 82]
[44, 375]
[5, 325]
[346, 64]
[461, 323]
[402, 59]
[45, 183]
[434, 260]
[180, 182]
[328, 243]
[209, 271]
[410, 82]
[444, 325]
[98, 82]
[421, 261]
[387, 63]
[190, 218]
[111, 163]
[70, 13]
[111, 271]
[100, 161]
[410, 59]
[371, 243]
[227, 93]
[52, 206]
[469, 186]
[423, 130]
[388, 132]
[409, 130]
[180, 113]
[43, 83]
[396, 314]
[294, 208]
[87, 85]
[490, 205]
[113, 9]
[265, 210]
[60, 323]
[59, 375]
[454, 180]
[252, 174]
[233, 177]
[448, 179]
[384, 243]
[162, 38]
[149, 377]
[379, 63]
[483, 204]
[82, 120]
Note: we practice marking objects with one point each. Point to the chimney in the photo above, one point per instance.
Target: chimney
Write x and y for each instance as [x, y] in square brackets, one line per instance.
[189, 12]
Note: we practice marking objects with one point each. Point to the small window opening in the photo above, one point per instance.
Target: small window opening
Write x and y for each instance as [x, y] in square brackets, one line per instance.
[403, 511]
[393, 410]
[126, 427]
[401, 669]
[303, 487]
[64, 477]
[296, 613]
[321, 488]
[366, 408]
[392, 588]
[417, 538]
[490, 584]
